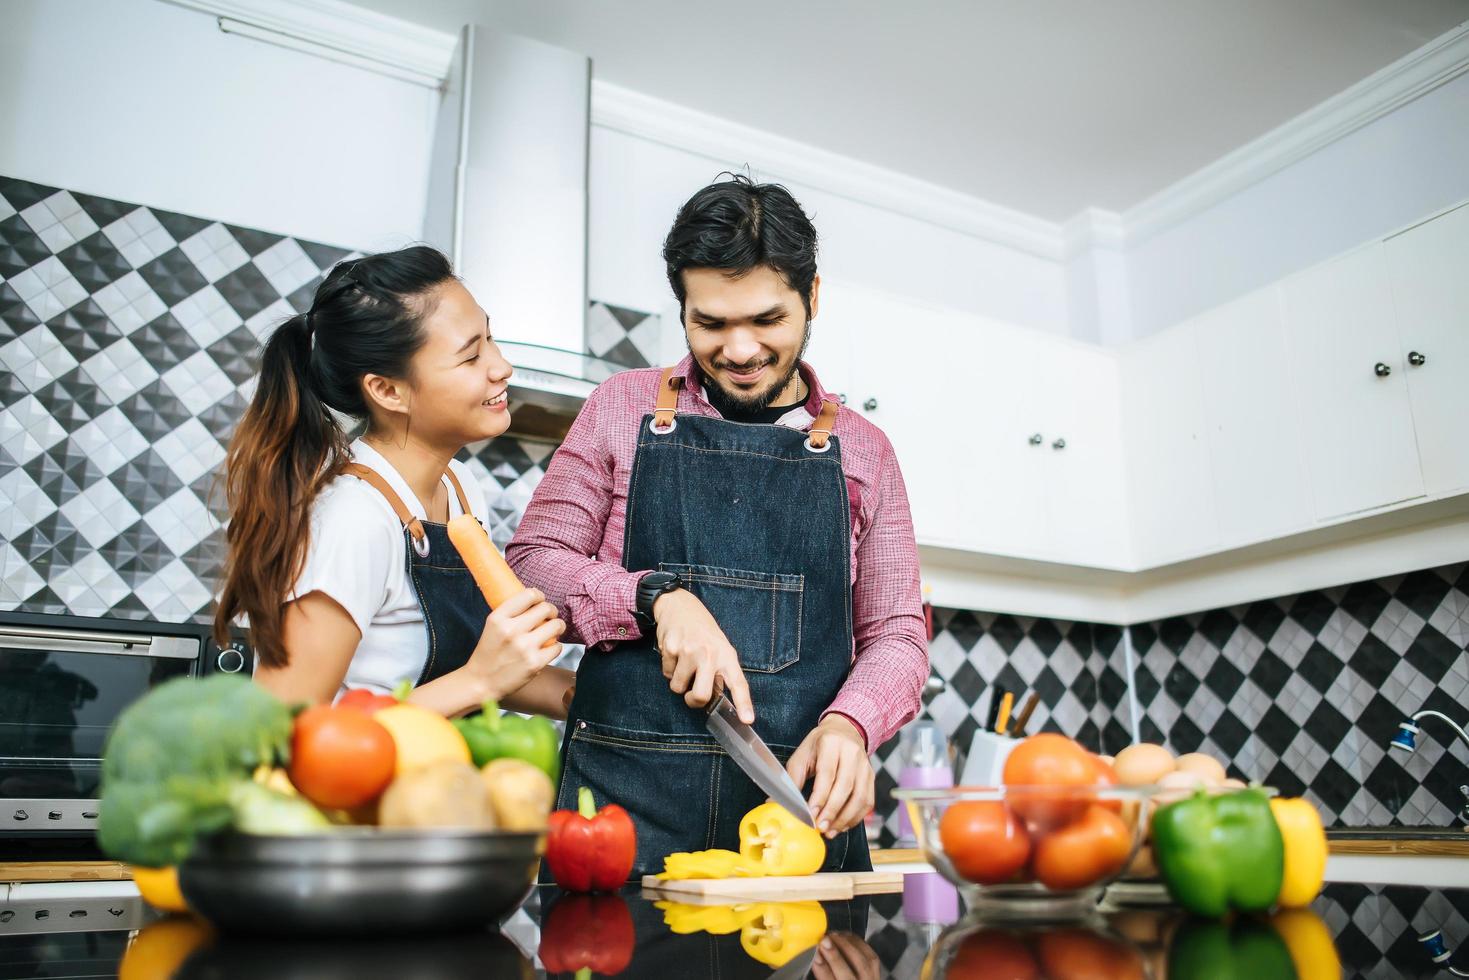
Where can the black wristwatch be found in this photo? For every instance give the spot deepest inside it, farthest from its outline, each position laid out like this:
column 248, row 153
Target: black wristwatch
column 652, row 585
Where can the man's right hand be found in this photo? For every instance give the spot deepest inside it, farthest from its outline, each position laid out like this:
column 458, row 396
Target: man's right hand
column 697, row 657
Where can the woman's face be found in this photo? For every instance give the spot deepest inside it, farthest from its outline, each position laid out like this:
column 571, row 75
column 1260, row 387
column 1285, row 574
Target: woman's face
column 457, row 378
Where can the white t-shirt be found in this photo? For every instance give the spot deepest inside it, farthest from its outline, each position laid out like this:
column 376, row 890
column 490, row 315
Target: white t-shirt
column 357, row 556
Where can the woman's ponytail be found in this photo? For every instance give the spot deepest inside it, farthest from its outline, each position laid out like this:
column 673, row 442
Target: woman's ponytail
column 286, row 448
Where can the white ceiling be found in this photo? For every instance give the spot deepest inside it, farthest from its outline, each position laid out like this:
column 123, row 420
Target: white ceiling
column 1044, row 106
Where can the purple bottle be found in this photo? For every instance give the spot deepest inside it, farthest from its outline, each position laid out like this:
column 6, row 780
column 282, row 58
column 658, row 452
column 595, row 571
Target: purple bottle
column 925, row 758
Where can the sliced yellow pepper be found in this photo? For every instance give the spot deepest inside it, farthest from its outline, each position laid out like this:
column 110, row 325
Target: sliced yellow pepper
column 779, row 932
column 717, row 920
column 773, row 839
column 682, row 865
column 1305, row 851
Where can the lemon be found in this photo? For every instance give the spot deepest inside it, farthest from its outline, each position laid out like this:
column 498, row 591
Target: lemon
column 422, row 737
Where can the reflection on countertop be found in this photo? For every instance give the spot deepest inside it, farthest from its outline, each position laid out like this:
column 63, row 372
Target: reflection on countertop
column 1371, row 930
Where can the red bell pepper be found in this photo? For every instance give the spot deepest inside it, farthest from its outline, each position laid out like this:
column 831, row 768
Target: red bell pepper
column 365, row 700
column 590, row 850
column 588, row 933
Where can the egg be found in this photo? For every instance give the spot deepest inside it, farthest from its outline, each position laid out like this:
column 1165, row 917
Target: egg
column 1142, row 764
column 1175, row 786
column 1208, row 768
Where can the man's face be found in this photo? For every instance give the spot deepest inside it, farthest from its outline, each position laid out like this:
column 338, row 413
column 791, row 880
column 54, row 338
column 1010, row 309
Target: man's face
column 746, row 334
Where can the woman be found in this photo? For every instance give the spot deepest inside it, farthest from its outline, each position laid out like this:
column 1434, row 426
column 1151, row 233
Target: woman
column 338, row 552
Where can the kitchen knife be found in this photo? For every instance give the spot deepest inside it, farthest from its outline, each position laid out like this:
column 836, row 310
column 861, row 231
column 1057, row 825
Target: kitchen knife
column 754, row 757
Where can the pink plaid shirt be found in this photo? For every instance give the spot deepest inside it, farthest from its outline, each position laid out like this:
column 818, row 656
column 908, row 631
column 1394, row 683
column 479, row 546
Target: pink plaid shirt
column 569, row 542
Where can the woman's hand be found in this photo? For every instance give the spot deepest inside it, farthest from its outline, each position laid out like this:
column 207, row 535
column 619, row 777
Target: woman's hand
column 518, row 642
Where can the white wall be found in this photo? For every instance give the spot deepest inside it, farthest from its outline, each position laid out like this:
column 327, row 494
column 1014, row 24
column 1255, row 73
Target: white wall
column 637, row 186
column 150, row 103
column 1390, row 173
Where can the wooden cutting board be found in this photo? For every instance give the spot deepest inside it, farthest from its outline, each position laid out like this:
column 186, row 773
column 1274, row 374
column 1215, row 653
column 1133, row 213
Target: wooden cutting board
column 828, row 886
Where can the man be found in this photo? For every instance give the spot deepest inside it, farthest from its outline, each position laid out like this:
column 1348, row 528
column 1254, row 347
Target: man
column 725, row 525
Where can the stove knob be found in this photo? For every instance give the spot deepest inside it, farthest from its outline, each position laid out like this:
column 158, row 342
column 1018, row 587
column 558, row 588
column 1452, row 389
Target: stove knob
column 6, row 916
column 20, row 815
column 231, row 659
column 54, row 815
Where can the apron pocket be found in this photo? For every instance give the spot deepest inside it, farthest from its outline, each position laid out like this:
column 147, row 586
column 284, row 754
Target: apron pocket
column 665, row 782
column 760, row 612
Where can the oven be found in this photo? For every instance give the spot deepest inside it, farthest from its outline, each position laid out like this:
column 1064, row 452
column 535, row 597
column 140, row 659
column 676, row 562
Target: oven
column 63, row 682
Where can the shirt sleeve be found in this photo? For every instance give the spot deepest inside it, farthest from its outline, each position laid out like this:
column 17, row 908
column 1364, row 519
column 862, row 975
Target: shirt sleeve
column 350, row 555
column 555, row 546
column 885, row 687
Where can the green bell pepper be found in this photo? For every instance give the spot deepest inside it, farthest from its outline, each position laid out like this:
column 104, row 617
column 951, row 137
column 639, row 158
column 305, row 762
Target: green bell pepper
column 1244, row 950
column 494, row 734
column 1217, row 853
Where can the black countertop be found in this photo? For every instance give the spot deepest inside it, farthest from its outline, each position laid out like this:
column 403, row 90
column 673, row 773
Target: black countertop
column 1374, row 930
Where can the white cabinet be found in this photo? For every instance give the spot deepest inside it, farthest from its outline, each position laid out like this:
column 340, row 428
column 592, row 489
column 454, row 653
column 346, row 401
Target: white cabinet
column 1252, row 428
column 960, row 396
column 1170, row 492
column 1076, row 398
column 1429, row 267
column 1356, row 423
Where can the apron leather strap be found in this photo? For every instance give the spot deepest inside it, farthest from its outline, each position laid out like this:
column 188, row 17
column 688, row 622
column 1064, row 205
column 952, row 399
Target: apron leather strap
column 820, row 430
column 667, row 404
column 408, row 519
column 458, row 491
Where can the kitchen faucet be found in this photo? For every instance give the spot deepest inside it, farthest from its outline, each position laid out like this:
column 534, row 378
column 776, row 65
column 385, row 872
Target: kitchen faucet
column 1406, row 741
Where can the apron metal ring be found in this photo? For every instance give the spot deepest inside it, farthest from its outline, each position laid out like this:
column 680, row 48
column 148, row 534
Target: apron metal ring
column 420, row 546
column 812, row 447
column 653, row 426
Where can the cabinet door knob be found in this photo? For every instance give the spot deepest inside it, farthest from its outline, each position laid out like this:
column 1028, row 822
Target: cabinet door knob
column 1381, row 370
column 1416, row 359
column 1037, row 439
column 870, row 405
column 1059, row 444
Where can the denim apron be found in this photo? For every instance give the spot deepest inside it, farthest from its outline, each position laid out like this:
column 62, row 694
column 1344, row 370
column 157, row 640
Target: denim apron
column 454, row 609
column 754, row 519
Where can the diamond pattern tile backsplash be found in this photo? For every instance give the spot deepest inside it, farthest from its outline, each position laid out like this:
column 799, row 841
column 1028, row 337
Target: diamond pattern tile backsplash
column 128, row 338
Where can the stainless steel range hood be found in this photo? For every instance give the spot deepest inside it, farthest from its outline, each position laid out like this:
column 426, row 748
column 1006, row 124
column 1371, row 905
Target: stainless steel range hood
column 508, row 202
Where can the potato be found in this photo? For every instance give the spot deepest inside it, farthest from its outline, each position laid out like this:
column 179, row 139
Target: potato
column 520, row 794
column 447, row 793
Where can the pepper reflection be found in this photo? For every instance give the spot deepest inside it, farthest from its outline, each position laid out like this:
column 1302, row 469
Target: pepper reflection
column 1158, row 944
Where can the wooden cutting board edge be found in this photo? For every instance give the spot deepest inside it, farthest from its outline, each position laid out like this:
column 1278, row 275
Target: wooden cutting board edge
column 824, row 886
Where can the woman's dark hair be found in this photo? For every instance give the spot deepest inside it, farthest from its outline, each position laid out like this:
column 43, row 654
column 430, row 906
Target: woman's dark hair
column 737, row 225
column 366, row 318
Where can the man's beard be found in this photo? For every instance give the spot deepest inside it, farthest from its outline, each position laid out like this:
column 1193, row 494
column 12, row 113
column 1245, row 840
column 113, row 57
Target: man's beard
column 728, row 402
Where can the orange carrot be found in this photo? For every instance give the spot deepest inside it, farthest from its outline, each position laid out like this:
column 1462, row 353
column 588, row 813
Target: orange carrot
column 490, row 570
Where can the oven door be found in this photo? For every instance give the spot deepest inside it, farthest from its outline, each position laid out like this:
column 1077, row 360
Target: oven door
column 61, row 689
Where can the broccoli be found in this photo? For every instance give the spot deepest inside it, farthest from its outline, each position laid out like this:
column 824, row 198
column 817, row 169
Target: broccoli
column 174, row 766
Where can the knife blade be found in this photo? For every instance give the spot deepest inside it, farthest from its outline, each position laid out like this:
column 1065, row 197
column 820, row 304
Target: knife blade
column 755, row 759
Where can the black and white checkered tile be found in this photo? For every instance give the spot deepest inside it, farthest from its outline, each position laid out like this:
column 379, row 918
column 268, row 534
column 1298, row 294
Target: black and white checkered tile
column 1068, row 664
column 1304, row 693
column 623, row 337
column 127, row 338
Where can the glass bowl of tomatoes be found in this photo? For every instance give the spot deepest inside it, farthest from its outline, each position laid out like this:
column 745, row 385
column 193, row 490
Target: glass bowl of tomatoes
column 1030, row 850
column 975, row 948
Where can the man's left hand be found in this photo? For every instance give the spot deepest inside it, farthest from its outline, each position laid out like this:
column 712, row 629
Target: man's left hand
column 835, row 756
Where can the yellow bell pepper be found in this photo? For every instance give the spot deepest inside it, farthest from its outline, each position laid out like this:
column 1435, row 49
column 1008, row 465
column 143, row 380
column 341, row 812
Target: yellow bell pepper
column 773, row 839
column 778, row 932
column 1307, row 938
column 1305, row 851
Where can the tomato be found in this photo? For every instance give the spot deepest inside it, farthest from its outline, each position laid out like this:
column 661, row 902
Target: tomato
column 365, row 700
column 340, row 757
column 985, row 841
column 1080, row 954
column 1049, row 759
column 1083, row 852
column 1104, row 775
column 991, row 954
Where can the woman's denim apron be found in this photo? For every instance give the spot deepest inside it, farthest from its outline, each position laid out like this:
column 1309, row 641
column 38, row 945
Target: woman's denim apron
column 454, row 609
column 754, row 519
